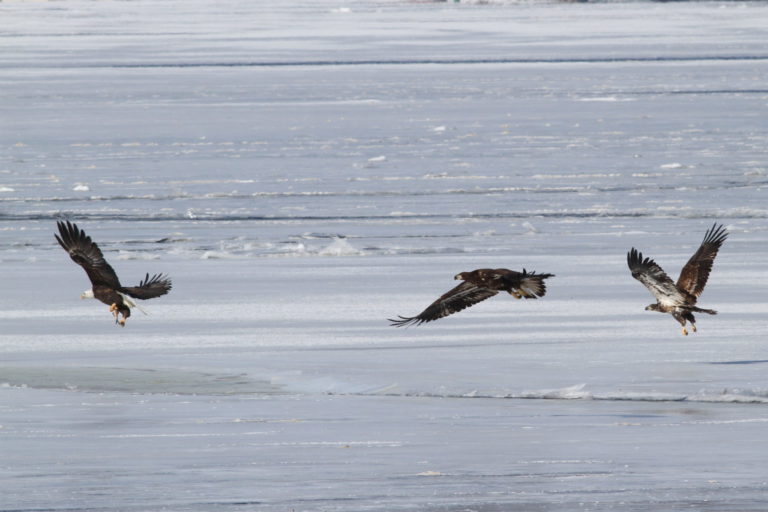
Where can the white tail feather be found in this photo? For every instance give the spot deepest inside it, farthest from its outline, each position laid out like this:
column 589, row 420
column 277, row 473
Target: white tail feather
column 129, row 302
column 532, row 287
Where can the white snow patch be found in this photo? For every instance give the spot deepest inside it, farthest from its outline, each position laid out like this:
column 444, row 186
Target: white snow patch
column 569, row 393
column 81, row 187
column 673, row 165
column 339, row 247
column 295, row 248
column 217, row 255
column 605, row 98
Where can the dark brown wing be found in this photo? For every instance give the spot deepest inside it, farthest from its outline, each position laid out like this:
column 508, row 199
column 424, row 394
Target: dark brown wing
column 87, row 254
column 695, row 273
column 655, row 279
column 149, row 287
column 462, row 296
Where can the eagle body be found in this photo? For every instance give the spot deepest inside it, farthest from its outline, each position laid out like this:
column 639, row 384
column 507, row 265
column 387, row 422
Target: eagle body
column 477, row 286
column 105, row 285
column 111, row 298
column 518, row 284
column 679, row 299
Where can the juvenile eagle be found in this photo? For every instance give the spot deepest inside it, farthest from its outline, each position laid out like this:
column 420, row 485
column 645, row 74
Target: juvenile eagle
column 479, row 285
column 105, row 286
column 679, row 299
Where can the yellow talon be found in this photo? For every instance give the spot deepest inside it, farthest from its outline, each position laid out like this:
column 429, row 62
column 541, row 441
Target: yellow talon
column 693, row 327
column 685, row 333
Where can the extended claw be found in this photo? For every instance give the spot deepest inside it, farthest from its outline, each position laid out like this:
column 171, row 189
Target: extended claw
column 693, row 326
column 685, row 332
column 516, row 294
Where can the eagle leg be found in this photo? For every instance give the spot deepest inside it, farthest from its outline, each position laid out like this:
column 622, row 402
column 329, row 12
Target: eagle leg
column 114, row 310
column 693, row 326
column 515, row 294
column 685, row 332
column 121, row 322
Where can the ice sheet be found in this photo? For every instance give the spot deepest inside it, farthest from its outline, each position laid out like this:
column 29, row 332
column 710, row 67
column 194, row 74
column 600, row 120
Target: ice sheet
column 304, row 173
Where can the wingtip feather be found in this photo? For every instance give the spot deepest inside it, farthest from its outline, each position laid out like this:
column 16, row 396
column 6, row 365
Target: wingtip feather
column 716, row 235
column 405, row 321
column 634, row 258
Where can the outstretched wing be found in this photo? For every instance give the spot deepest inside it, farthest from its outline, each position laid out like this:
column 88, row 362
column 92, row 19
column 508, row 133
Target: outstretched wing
column 655, row 279
column 87, row 254
column 695, row 273
column 149, row 287
column 462, row 296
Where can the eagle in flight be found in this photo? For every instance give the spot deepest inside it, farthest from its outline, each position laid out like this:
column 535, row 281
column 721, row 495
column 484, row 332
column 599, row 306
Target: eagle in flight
column 679, row 299
column 477, row 286
column 105, row 286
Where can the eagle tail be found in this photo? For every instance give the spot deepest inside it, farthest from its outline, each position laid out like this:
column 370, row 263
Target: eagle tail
column 131, row 304
column 532, row 285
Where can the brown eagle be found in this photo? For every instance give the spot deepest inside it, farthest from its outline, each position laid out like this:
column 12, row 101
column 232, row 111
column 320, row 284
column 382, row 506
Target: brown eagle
column 479, row 285
column 105, row 285
column 679, row 299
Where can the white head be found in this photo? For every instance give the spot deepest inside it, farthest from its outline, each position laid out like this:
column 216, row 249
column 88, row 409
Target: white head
column 87, row 294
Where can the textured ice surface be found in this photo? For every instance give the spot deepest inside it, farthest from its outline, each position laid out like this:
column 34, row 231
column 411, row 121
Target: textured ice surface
column 306, row 170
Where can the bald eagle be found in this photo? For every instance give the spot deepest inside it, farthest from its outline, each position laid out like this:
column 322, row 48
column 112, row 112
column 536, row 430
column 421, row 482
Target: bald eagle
column 679, row 299
column 479, row 285
column 105, row 286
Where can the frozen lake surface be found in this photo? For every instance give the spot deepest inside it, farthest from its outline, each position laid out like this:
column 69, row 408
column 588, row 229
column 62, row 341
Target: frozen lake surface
column 305, row 171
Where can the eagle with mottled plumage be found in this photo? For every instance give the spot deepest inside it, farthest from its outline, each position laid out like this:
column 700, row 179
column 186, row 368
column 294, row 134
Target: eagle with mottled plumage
column 479, row 285
column 105, row 285
column 679, row 299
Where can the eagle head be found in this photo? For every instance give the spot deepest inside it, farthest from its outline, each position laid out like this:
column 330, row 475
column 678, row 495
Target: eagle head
column 460, row 277
column 652, row 307
column 87, row 294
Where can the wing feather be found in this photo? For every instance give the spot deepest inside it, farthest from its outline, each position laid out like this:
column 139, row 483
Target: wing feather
column 695, row 273
column 461, row 297
column 149, row 287
column 87, row 254
column 654, row 278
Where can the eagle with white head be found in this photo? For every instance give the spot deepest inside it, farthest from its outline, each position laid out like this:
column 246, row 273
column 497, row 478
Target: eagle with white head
column 105, row 285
